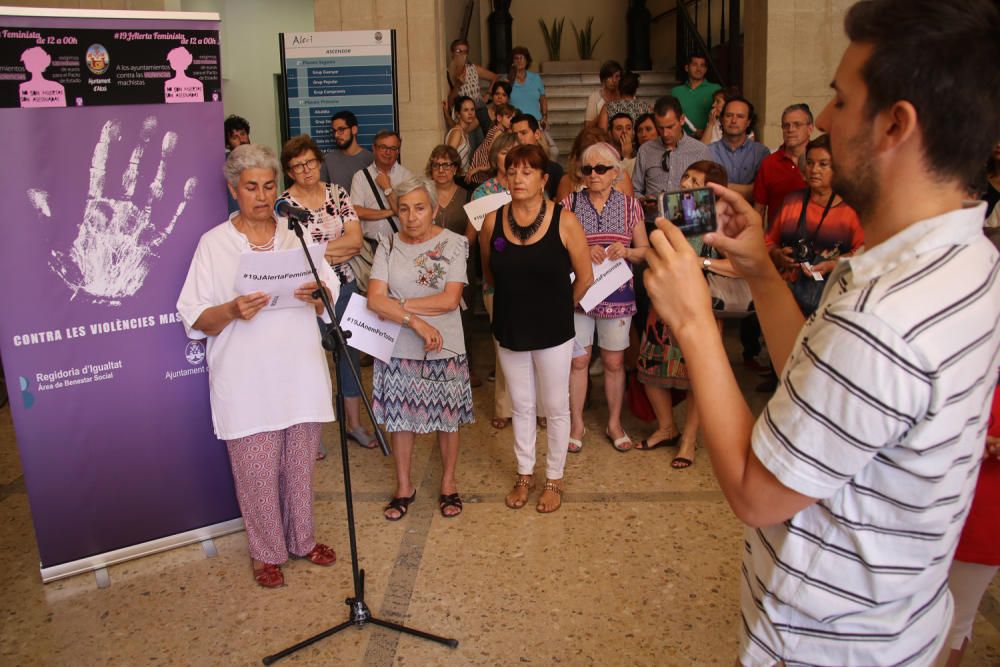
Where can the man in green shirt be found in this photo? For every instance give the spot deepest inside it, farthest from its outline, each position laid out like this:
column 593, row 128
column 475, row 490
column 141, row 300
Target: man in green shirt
column 695, row 95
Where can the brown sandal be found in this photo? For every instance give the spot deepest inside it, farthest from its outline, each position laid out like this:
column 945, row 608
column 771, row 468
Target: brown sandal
column 269, row 576
column 522, row 481
column 555, row 488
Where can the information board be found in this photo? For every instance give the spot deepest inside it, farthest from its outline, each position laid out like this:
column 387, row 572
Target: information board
column 326, row 72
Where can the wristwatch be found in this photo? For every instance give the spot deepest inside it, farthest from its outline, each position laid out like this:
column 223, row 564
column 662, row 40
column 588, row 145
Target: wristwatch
column 406, row 320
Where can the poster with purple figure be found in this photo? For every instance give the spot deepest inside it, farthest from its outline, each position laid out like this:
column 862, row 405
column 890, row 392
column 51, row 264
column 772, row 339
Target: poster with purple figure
column 104, row 208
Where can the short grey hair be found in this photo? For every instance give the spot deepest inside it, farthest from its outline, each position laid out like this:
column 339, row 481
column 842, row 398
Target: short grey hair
column 404, row 188
column 249, row 156
column 607, row 154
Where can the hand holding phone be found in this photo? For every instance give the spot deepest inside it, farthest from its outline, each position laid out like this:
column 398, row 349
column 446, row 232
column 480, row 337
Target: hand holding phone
column 691, row 211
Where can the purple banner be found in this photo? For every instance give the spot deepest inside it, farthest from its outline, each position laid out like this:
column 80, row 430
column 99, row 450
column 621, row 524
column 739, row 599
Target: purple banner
column 104, row 208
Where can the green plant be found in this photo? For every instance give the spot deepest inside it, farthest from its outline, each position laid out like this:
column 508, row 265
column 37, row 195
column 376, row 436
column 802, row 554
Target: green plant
column 585, row 42
column 553, row 37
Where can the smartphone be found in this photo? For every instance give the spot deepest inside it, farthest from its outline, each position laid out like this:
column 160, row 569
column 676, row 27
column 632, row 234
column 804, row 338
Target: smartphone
column 692, row 211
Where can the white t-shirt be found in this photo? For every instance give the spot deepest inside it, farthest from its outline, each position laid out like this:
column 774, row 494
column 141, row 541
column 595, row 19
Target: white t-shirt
column 266, row 373
column 362, row 195
column 595, row 103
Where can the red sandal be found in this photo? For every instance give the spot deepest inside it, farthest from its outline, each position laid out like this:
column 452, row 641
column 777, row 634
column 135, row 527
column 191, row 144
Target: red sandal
column 269, row 576
column 321, row 555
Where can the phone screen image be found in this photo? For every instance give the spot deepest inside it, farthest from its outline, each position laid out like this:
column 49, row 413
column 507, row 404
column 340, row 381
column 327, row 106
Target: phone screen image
column 692, row 211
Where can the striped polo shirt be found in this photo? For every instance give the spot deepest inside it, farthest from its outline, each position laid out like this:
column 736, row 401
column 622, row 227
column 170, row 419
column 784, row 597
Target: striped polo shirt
column 881, row 415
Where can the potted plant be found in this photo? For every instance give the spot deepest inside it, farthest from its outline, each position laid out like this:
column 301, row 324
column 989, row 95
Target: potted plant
column 585, row 41
column 553, row 36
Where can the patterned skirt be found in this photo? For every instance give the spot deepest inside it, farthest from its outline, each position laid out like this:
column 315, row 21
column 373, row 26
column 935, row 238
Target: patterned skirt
column 661, row 362
column 422, row 396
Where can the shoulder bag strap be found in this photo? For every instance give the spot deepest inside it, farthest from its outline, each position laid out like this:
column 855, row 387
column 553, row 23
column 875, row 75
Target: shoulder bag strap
column 378, row 197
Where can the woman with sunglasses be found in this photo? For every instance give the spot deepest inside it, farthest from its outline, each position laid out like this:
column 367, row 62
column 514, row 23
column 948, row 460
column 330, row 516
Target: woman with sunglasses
column 333, row 220
column 529, row 248
column 417, row 280
column 613, row 223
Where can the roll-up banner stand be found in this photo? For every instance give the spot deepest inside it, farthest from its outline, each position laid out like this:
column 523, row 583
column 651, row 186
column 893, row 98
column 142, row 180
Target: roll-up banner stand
column 112, row 127
column 327, row 72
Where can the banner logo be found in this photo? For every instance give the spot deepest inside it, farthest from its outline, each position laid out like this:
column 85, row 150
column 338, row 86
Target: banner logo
column 98, row 59
column 194, row 352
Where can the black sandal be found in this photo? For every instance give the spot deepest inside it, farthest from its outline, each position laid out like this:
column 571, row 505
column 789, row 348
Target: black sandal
column 401, row 505
column 450, row 500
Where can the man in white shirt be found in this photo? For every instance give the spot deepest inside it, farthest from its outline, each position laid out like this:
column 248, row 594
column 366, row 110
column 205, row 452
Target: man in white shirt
column 856, row 479
column 372, row 195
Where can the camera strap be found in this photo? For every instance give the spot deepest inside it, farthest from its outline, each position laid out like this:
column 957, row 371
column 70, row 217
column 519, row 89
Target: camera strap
column 802, row 216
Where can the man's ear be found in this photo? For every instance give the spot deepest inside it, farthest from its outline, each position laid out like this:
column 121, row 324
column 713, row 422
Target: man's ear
column 895, row 126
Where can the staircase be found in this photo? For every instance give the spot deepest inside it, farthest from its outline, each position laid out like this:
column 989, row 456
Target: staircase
column 567, row 97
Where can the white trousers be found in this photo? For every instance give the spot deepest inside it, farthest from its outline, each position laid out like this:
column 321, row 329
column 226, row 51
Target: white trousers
column 551, row 368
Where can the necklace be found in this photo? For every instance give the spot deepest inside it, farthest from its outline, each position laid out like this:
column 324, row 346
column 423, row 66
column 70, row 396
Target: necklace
column 525, row 233
column 263, row 247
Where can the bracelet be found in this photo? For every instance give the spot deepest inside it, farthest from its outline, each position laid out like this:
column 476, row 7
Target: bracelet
column 402, row 302
column 406, row 320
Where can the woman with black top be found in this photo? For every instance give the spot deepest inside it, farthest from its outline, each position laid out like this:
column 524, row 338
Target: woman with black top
column 529, row 249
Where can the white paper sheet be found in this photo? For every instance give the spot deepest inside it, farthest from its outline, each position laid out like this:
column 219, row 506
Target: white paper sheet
column 608, row 276
column 369, row 333
column 277, row 274
column 478, row 209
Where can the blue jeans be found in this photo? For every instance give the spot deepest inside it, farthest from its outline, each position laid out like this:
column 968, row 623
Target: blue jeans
column 348, row 385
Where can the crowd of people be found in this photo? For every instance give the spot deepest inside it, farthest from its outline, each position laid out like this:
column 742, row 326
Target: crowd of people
column 790, row 236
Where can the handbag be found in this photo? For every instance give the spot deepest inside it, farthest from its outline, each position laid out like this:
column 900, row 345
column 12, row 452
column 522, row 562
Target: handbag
column 731, row 298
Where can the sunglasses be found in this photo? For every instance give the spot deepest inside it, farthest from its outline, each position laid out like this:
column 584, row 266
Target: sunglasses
column 601, row 169
column 424, row 372
column 665, row 161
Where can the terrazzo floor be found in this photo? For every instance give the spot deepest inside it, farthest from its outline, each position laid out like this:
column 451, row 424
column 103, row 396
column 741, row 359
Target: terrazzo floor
column 639, row 567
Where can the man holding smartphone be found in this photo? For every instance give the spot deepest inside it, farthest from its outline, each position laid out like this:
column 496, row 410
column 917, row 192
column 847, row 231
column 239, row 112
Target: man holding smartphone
column 659, row 165
column 856, row 479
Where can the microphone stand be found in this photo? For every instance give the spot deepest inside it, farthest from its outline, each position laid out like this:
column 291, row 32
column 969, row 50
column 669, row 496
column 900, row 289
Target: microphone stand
column 335, row 341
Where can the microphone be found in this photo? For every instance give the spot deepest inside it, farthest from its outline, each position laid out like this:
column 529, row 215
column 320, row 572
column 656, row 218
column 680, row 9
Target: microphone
column 285, row 210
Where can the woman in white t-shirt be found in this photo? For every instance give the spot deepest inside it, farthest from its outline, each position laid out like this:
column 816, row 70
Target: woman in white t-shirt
column 269, row 383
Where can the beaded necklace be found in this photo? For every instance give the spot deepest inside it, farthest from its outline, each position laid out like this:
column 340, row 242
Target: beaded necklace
column 525, row 233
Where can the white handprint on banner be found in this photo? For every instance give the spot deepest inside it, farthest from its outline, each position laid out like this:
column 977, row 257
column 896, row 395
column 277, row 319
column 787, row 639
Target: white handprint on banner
column 111, row 255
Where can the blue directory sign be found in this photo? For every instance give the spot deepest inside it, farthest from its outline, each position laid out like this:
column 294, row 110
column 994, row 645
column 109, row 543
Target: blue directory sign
column 326, row 72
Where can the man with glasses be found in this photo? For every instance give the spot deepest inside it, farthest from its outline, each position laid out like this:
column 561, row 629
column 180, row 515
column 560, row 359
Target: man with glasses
column 371, row 187
column 339, row 166
column 659, row 165
column 779, row 173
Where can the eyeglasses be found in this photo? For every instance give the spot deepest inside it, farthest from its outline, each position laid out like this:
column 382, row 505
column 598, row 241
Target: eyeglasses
column 387, row 149
column 443, row 166
column 793, row 125
column 341, row 130
column 461, row 51
column 448, row 377
column 300, row 167
column 601, row 169
column 665, row 161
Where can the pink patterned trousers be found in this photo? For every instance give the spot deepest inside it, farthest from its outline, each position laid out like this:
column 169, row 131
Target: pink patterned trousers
column 273, row 475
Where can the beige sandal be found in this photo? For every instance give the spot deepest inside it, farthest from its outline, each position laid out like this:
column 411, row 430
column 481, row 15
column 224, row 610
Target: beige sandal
column 523, row 481
column 555, row 488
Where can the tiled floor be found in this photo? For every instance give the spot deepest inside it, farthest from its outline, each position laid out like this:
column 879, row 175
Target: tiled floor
column 639, row 567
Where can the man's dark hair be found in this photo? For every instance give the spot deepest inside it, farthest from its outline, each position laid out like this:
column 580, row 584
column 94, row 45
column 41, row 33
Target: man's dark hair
column 696, row 54
column 666, row 104
column 941, row 57
column 525, row 118
column 611, row 122
column 609, row 69
column 629, row 84
column 234, row 123
column 751, row 114
column 347, row 117
column 802, row 106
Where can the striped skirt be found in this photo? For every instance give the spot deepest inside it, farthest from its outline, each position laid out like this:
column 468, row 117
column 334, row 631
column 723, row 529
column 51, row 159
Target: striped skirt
column 422, row 396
